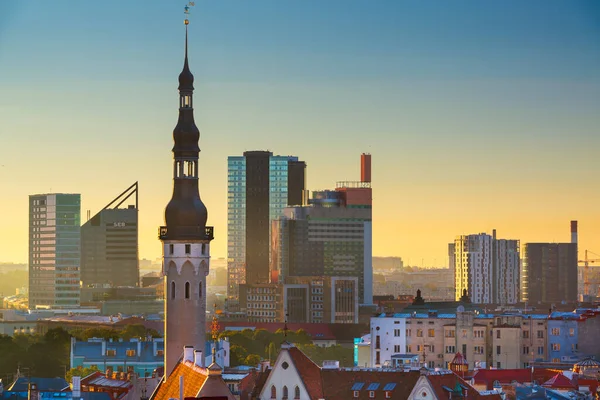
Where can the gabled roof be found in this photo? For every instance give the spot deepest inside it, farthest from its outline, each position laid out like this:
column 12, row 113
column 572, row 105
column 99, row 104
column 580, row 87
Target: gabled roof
column 99, row 379
column 194, row 380
column 43, row 384
column 340, row 384
column 168, row 388
column 559, row 381
column 441, row 383
column 309, row 372
column 507, row 376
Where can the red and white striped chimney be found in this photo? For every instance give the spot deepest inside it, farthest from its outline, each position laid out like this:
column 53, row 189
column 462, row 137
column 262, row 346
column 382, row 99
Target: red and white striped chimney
column 573, row 231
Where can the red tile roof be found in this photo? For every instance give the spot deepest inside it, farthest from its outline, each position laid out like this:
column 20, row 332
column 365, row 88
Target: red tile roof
column 315, row 331
column 450, row 380
column 192, row 382
column 559, row 381
column 337, row 384
column 310, row 373
column 487, row 377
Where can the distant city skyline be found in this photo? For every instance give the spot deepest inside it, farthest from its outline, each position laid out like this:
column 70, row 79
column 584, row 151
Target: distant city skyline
column 479, row 116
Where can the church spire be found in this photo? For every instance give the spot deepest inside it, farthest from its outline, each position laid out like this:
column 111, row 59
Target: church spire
column 186, row 215
column 185, row 236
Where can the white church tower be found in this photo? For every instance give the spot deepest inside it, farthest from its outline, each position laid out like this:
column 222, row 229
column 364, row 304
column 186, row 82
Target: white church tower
column 186, row 238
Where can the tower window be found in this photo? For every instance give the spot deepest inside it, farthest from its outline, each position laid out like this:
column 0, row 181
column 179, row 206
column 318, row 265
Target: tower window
column 188, row 248
column 171, row 249
column 186, row 101
column 200, row 290
column 203, row 249
column 172, row 290
column 187, row 290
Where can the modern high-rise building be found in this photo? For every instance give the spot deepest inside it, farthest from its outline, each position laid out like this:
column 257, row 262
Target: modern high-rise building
column 549, row 273
column 109, row 244
column 488, row 268
column 332, row 236
column 260, row 186
column 54, row 250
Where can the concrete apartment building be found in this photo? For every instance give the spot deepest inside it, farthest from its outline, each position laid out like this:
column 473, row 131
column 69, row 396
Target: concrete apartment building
column 54, row 250
column 487, row 340
column 487, row 267
column 320, row 299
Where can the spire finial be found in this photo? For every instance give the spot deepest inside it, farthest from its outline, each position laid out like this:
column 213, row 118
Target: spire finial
column 285, row 327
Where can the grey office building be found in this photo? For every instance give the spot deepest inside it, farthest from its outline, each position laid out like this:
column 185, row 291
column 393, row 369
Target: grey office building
column 54, row 250
column 109, row 244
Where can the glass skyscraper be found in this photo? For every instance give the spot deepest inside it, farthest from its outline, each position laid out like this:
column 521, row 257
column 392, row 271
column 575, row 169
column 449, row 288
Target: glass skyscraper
column 260, row 185
column 54, row 250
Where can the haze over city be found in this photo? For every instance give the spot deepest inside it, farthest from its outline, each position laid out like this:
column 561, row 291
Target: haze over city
column 478, row 120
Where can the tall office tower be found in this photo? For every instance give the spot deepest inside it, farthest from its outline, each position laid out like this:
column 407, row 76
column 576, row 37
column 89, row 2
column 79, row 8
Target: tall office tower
column 488, row 268
column 549, row 273
column 54, row 250
column 185, row 238
column 260, row 186
column 109, row 244
column 332, row 236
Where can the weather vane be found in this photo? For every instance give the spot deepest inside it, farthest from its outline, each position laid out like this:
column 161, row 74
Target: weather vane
column 186, row 11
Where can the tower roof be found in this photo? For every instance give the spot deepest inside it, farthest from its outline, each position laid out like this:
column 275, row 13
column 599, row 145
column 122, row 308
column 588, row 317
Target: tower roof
column 186, row 214
column 186, row 78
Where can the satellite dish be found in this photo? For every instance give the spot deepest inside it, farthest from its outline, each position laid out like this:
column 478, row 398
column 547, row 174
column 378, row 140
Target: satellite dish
column 460, row 309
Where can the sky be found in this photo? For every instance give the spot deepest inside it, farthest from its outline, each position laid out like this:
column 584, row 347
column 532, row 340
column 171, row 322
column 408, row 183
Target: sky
column 479, row 115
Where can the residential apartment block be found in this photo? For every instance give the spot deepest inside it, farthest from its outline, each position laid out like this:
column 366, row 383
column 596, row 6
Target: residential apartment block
column 487, row 267
column 503, row 340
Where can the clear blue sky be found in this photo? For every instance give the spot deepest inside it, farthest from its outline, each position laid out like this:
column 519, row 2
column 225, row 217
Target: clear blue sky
column 479, row 114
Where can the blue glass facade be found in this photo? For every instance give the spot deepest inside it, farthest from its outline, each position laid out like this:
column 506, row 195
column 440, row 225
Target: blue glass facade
column 236, row 224
column 277, row 178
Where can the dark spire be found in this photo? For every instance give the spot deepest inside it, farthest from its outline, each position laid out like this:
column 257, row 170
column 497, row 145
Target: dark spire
column 186, row 215
column 186, row 78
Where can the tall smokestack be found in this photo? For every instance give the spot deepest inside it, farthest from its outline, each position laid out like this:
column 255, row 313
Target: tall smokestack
column 573, row 231
column 365, row 167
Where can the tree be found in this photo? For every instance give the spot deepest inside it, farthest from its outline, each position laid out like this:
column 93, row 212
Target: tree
column 252, row 360
column 237, row 355
column 79, row 371
column 137, row 331
column 271, row 352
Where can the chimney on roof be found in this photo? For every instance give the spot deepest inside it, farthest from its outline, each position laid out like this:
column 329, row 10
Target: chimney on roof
column 188, row 354
column 574, row 232
column 198, row 358
column 264, row 365
column 365, row 167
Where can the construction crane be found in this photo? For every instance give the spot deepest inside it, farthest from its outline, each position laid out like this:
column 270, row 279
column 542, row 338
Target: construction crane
column 586, row 271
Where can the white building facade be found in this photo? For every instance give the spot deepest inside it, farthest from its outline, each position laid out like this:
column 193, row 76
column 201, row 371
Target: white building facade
column 488, row 268
column 388, row 337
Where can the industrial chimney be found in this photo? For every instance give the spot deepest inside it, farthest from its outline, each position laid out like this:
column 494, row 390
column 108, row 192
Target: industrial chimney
column 365, row 167
column 573, row 231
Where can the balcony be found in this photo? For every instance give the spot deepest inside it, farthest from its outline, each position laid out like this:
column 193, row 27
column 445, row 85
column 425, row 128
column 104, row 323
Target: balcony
column 187, row 233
